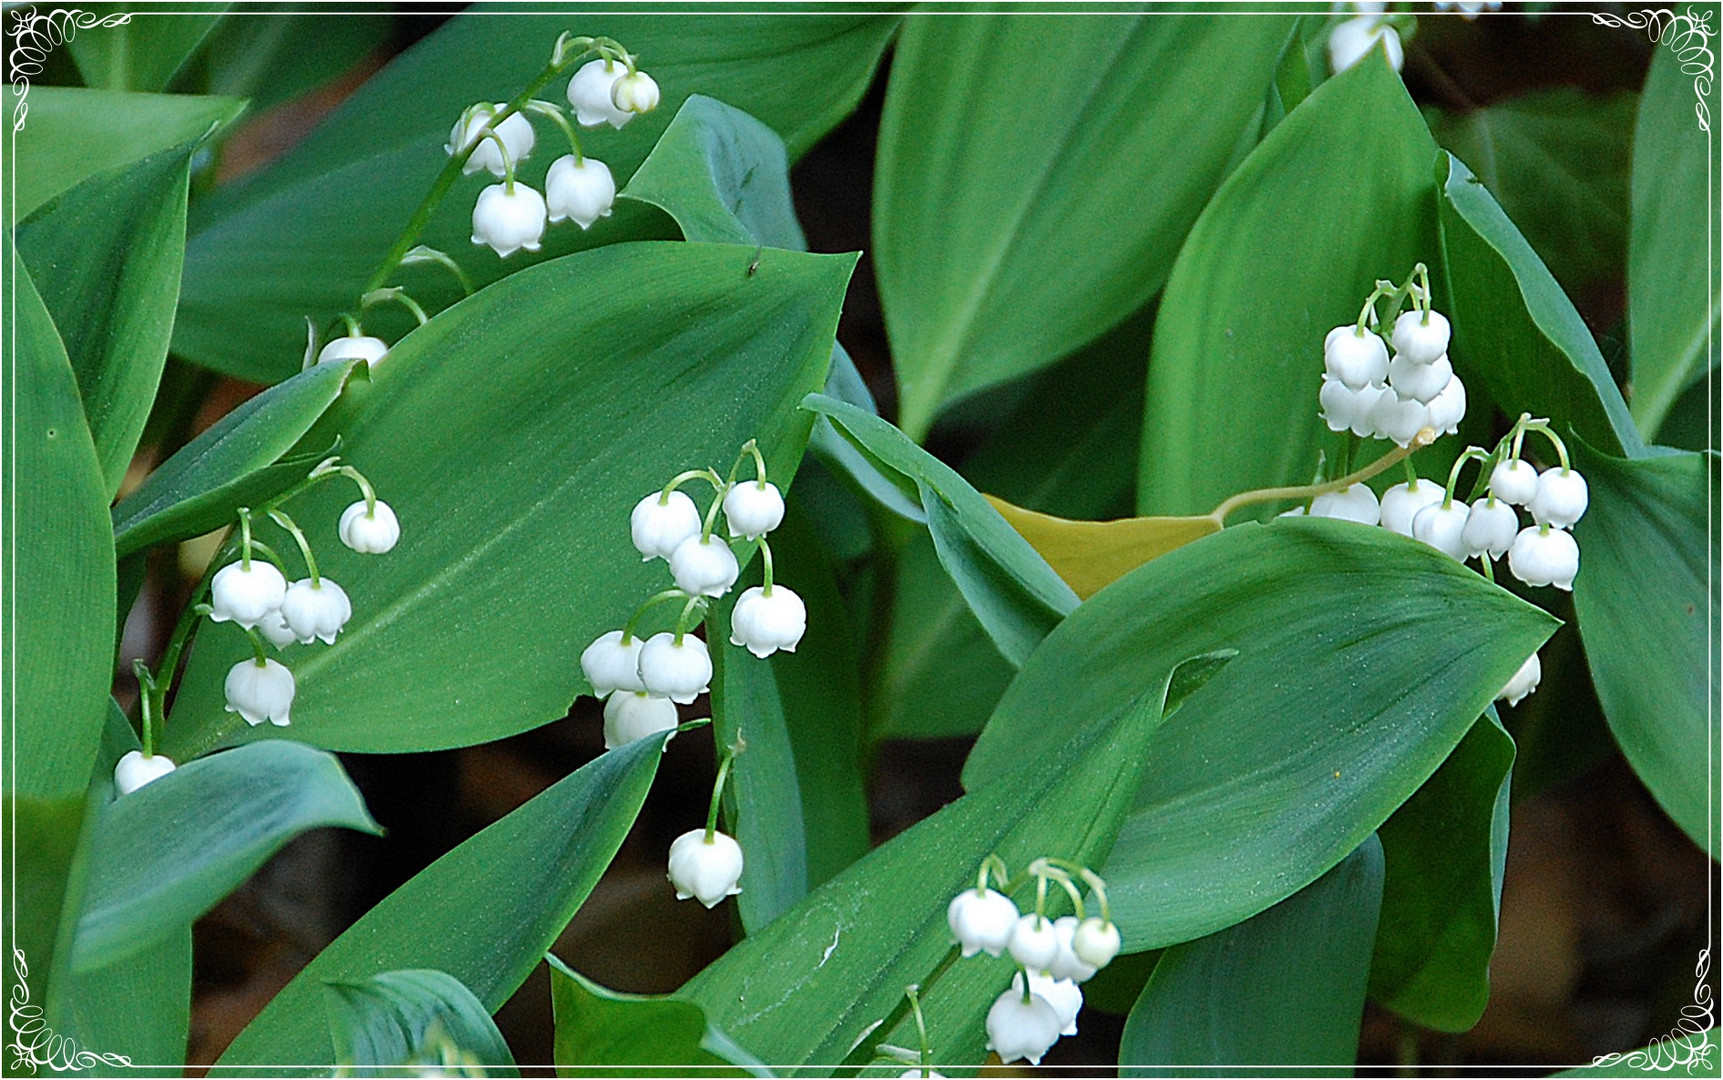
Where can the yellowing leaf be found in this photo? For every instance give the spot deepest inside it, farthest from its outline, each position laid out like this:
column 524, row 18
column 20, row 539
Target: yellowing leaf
column 1090, row 555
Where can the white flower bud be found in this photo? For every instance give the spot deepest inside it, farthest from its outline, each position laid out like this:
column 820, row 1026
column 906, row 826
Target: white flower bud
column 1063, row 994
column 353, row 347
column 1355, row 356
column 1541, row 555
column 706, row 870
column 589, row 93
column 1340, row 405
column 1096, row 942
column 660, row 522
column 369, row 532
column 275, row 630
column 244, row 596
column 508, row 221
column 1449, row 407
column 1364, row 410
column 1421, row 337
column 1353, row 39
column 1561, row 497
column 981, row 921
column 260, row 692
column 921, row 1074
column 315, row 611
column 1067, row 965
column 635, row 93
column 763, row 623
column 1491, row 528
column 135, row 770
column 1442, row 525
column 1411, row 379
column 1513, row 481
column 1398, row 419
column 1022, row 1029
column 753, row 509
column 1525, row 680
column 610, row 665
column 1034, row 942
column 1355, row 502
column 680, row 672
column 516, row 133
column 582, row 191
column 704, row 566
column 631, row 715
column 1401, row 503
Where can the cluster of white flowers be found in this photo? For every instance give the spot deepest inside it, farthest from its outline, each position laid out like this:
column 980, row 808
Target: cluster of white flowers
column 1468, row 9
column 1351, row 41
column 1371, row 395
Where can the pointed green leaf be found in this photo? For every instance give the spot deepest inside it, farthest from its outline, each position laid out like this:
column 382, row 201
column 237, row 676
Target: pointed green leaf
column 147, row 50
column 398, row 1018
column 278, row 51
column 600, row 1032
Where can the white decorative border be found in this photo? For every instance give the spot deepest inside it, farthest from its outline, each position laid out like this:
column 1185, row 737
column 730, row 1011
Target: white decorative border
column 36, row 35
column 1689, row 1046
column 1664, row 27
column 35, row 1045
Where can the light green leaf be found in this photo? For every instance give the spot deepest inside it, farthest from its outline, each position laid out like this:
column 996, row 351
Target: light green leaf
column 322, row 216
column 1646, row 605
column 484, row 913
column 1037, row 174
column 1337, row 196
column 398, row 1018
column 512, row 435
column 1283, row 988
column 146, row 51
column 1364, row 657
column 1686, row 1048
column 600, row 1032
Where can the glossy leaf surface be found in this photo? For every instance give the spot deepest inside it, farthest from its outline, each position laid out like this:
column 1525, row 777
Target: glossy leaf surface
column 600, row 1032
column 398, row 1018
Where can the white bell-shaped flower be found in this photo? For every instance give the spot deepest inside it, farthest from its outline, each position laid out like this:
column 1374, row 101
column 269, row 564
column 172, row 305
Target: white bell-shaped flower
column 1514, row 481
column 246, row 596
column 589, row 93
column 1401, row 503
column 1442, row 525
column 1364, row 404
column 1411, row 379
column 630, row 715
column 353, row 347
column 707, row 870
column 508, row 221
column 1398, row 419
column 1034, row 942
column 680, row 672
column 753, row 509
column 920, row 1073
column 763, row 622
column 1353, row 39
column 1355, row 356
column 981, row 921
column 275, row 630
column 1355, row 502
column 260, row 692
column 660, row 522
column 1096, row 942
column 704, row 566
column 368, row 531
column 317, row 610
column 1541, row 555
column 1063, row 994
column 1339, row 403
column 610, row 664
column 1491, row 528
column 581, row 191
column 1022, row 1028
column 636, row 92
column 135, row 770
column 1421, row 336
column 1448, row 408
column 516, row 133
column 1525, row 680
column 1067, row 965
column 1561, row 497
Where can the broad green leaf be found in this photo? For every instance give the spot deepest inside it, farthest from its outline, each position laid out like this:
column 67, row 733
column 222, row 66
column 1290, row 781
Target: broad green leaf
column 1283, row 988
column 1036, row 175
column 1557, row 162
column 484, row 913
column 724, row 177
column 420, row 1018
column 1646, row 605
column 1012, row 591
column 809, row 987
column 145, row 52
column 1673, row 303
column 600, row 1032
column 1090, row 555
column 1517, row 336
column 168, row 852
column 1337, row 196
column 106, row 257
column 241, row 460
column 273, row 52
column 1690, row 424
column 70, row 135
column 322, row 216
column 1693, row 1051
column 1364, row 657
column 512, row 435
column 1446, row 849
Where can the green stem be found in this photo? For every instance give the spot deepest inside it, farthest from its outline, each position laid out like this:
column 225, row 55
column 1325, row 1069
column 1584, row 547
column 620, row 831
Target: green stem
column 766, row 560
column 712, row 514
column 682, row 623
column 551, row 111
column 1543, row 428
column 910, row 992
column 280, row 518
column 396, row 294
column 1473, row 453
column 424, row 254
column 1310, row 491
column 681, row 478
column 146, row 706
column 718, row 788
column 853, row 1062
column 257, row 652
column 650, row 602
column 245, row 539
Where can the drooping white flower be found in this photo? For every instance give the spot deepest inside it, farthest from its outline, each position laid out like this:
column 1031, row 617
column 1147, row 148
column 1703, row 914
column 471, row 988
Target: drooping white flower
column 1340, row 403
column 1398, row 419
column 260, row 692
column 1513, row 481
column 763, row 623
column 636, row 92
column 275, row 630
column 630, row 715
column 981, row 921
column 659, row 522
column 1355, row 356
column 1541, row 555
column 135, row 770
column 704, row 566
column 706, row 870
column 1449, row 407
column 1525, row 680
column 1491, row 528
column 753, row 509
column 1411, row 379
column 368, row 532
column 317, row 610
column 680, row 672
column 1064, row 995
column 1067, row 965
column 1356, row 502
column 589, row 93
column 1096, row 942
column 246, row 596
column 1019, row 1028
column 1561, row 497
column 516, row 133
column 1401, row 503
column 1364, row 404
column 581, row 191
column 1421, row 336
column 353, row 347
column 1034, row 942
column 609, row 664
column 1442, row 525
column 921, row 1074
column 1352, row 40
column 508, row 221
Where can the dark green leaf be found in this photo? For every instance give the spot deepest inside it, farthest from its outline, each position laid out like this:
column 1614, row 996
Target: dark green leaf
column 1686, row 1048
column 1283, row 988
column 139, row 1007
column 1364, row 657
column 273, row 52
column 600, row 1032
column 146, row 51
column 424, row 1018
